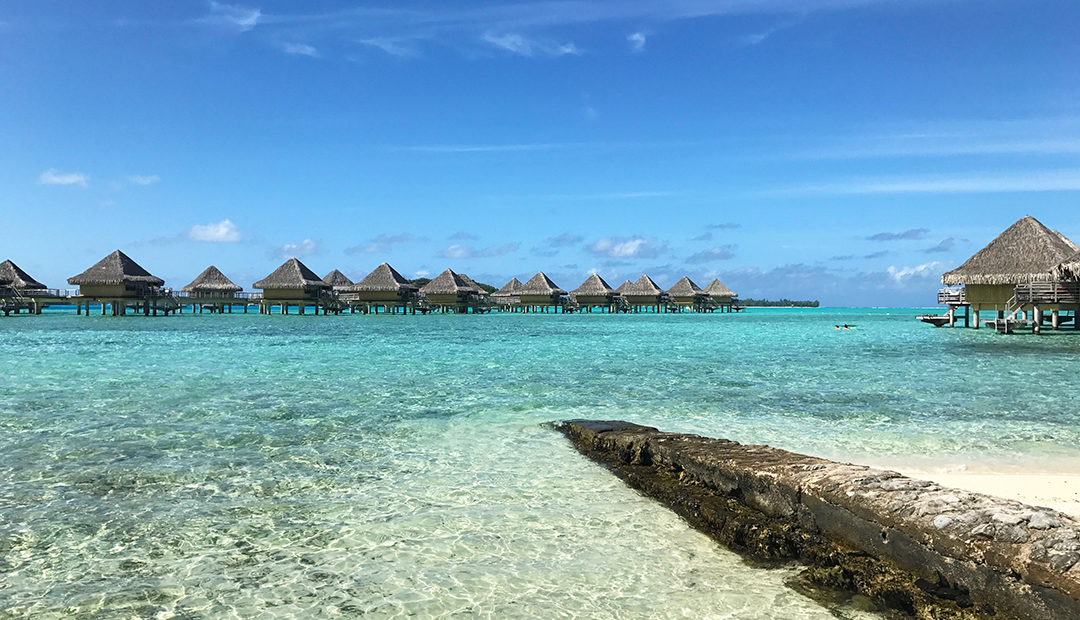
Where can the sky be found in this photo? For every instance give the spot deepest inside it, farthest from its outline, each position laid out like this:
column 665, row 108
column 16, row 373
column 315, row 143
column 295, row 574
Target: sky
column 848, row 151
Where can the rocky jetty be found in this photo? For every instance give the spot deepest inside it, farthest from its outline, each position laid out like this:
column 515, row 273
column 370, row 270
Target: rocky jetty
column 915, row 547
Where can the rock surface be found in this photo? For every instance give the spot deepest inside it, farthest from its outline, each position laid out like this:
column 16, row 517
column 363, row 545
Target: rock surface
column 913, row 546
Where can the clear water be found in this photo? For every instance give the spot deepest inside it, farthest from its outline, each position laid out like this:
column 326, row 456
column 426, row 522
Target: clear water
column 205, row 466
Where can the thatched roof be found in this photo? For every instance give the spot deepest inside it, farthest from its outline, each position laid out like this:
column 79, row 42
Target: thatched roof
column 716, row 288
column 594, row 286
column 1076, row 248
column 644, row 287
column 337, row 280
column 114, row 269
column 212, row 280
column 685, row 288
column 383, row 279
column 446, row 283
column 540, row 284
column 625, row 286
column 1026, row 252
column 473, row 286
column 291, row 275
column 509, row 289
column 13, row 277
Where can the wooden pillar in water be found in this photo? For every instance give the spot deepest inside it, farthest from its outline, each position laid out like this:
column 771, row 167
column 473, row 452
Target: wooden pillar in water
column 975, row 319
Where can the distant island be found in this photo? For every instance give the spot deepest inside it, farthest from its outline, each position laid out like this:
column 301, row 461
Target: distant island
column 782, row 303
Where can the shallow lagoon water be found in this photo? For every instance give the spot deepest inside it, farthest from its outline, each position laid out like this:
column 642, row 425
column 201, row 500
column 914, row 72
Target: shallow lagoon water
column 238, row 466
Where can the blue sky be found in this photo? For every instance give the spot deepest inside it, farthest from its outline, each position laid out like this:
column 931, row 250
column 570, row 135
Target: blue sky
column 843, row 150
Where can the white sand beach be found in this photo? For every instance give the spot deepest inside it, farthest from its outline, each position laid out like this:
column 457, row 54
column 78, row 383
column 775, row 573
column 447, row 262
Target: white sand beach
column 1060, row 491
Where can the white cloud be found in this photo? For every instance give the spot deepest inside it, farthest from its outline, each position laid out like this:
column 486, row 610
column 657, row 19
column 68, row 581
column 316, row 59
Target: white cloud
column 307, row 247
column 221, row 232
column 519, row 44
column 55, row 177
column 422, row 273
column 144, row 180
column 233, row 16
column 899, row 274
column 391, row 45
column 637, row 41
column 633, row 247
column 301, row 49
column 463, row 251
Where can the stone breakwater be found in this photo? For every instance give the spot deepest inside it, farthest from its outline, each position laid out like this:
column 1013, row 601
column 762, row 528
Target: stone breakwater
column 912, row 546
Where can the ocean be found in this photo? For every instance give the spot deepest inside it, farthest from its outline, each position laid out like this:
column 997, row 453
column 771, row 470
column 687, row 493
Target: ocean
column 242, row 466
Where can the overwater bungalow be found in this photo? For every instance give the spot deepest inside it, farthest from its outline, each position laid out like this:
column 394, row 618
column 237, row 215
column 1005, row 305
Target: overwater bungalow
column 721, row 295
column 338, row 281
column 595, row 292
column 685, row 294
column 293, row 284
column 384, row 288
column 19, row 291
column 507, row 297
column 120, row 283
column 473, row 286
column 452, row 292
column 644, row 294
column 212, row 290
column 1022, row 258
column 539, row 294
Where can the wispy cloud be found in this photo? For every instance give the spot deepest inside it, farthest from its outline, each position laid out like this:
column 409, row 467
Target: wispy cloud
column 55, row 177
column 637, row 41
column 912, row 234
column 726, row 252
column 300, row 49
column 382, row 244
column 143, row 180
column 627, row 248
column 462, row 251
column 221, row 232
column 232, row 16
column 520, row 44
column 462, row 236
column 705, row 236
column 1038, row 181
column 727, row 226
column 870, row 256
column 944, row 246
column 307, row 247
column 395, row 46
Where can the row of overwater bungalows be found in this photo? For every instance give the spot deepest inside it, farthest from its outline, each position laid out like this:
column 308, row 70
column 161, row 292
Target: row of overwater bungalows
column 118, row 284
column 1026, row 276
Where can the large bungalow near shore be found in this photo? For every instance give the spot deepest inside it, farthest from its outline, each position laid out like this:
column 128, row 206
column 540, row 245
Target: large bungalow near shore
column 1016, row 273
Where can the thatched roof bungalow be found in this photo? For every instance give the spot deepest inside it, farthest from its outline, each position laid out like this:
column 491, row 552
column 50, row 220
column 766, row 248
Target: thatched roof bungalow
column 686, row 293
column 625, row 286
column 1025, row 252
column 540, row 291
column 448, row 289
column 337, row 280
column 473, row 286
column 594, row 291
column 12, row 277
column 384, row 284
column 719, row 292
column 508, row 293
column 212, row 283
column 116, row 276
column 292, row 281
column 644, row 292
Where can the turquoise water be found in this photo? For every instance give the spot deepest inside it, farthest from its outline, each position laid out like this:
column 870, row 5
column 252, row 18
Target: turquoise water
column 241, row 466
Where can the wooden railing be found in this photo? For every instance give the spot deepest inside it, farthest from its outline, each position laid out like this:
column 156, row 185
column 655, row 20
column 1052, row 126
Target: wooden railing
column 953, row 296
column 1048, row 293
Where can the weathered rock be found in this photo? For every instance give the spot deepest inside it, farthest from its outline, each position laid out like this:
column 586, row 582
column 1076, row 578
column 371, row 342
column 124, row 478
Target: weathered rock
column 911, row 545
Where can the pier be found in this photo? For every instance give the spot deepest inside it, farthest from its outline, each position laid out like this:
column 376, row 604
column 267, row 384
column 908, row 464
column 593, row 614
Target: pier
column 909, row 545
